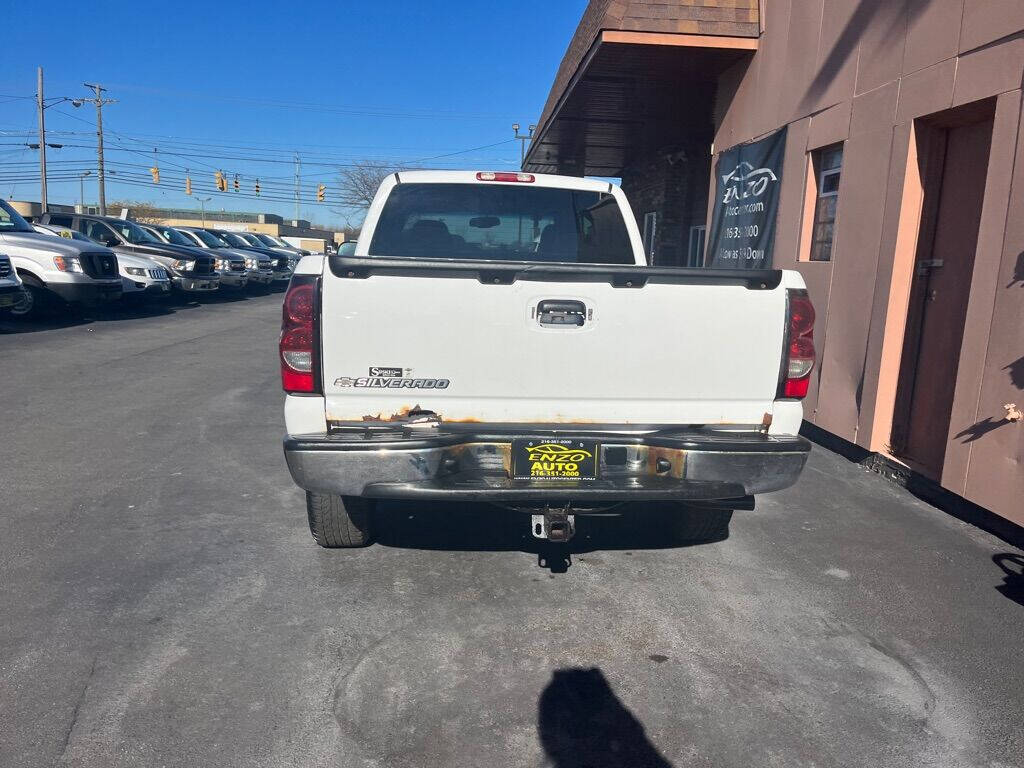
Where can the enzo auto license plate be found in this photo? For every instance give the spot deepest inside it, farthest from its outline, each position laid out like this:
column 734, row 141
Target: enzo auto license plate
column 554, row 459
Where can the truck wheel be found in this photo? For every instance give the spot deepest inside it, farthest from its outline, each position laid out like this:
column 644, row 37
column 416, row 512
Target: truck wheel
column 36, row 300
column 339, row 521
column 693, row 523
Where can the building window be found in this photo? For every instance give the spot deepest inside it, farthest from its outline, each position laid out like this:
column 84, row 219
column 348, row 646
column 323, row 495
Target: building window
column 828, row 164
column 695, row 249
column 650, row 231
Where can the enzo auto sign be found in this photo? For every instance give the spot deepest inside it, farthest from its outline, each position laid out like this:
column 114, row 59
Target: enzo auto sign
column 748, row 182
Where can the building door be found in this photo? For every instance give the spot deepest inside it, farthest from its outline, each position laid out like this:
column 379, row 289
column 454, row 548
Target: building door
column 954, row 157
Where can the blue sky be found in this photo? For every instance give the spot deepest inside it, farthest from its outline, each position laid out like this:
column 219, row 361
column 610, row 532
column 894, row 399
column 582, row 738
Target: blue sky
column 240, row 87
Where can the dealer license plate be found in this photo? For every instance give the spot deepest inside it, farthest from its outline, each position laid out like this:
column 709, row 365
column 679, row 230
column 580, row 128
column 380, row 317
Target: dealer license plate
column 554, row 459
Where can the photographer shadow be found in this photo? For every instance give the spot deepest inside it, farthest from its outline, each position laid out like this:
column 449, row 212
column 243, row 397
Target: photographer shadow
column 582, row 724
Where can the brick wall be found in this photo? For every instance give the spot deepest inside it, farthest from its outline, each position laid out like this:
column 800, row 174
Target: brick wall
column 677, row 191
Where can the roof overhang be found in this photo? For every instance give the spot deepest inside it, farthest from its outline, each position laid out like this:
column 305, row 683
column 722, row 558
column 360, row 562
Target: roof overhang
column 632, row 93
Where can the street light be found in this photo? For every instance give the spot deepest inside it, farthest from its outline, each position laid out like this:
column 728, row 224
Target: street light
column 522, row 141
column 41, row 107
column 202, row 207
column 81, row 190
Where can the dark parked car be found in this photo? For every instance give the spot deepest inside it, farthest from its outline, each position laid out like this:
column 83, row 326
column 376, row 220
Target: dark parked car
column 280, row 265
column 259, row 269
column 230, row 266
column 278, row 244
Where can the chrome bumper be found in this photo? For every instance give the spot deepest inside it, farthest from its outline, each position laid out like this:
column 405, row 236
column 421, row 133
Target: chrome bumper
column 701, row 465
column 261, row 276
column 231, row 279
column 196, row 284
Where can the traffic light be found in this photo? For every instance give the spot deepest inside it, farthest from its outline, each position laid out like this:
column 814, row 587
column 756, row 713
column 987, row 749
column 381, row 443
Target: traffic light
column 321, row 188
column 222, row 183
column 188, row 185
column 155, row 171
column 237, row 185
column 257, row 187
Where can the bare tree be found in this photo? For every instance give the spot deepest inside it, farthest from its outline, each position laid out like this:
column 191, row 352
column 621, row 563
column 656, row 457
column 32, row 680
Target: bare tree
column 147, row 213
column 358, row 183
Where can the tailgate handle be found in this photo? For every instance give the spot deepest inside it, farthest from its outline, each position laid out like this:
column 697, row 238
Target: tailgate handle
column 561, row 312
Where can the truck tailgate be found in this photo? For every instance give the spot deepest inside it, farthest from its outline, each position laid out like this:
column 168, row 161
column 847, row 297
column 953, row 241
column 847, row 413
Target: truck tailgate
column 679, row 349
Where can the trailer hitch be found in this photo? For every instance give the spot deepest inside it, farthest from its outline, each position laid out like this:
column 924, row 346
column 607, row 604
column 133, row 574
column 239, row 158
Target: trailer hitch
column 556, row 525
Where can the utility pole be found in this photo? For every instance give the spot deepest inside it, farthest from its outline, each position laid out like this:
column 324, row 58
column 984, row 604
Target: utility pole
column 81, row 190
column 522, row 142
column 42, row 141
column 202, row 207
column 41, row 106
column 99, row 101
column 298, row 184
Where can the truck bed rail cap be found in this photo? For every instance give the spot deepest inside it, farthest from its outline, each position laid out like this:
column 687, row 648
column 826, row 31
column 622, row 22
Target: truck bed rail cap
column 507, row 272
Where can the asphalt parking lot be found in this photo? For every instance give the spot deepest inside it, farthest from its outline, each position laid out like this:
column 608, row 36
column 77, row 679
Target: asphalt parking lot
column 163, row 604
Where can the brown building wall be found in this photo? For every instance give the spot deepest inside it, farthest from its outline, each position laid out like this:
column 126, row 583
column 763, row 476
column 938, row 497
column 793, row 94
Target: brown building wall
column 865, row 72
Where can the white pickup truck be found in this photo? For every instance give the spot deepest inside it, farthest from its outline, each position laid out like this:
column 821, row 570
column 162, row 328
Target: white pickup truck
column 499, row 337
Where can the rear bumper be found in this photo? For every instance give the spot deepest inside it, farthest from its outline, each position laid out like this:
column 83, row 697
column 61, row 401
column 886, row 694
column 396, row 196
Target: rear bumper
column 702, row 465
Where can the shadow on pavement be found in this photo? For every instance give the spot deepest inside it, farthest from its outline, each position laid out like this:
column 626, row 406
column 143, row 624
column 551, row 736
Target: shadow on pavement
column 132, row 310
column 1012, row 565
column 486, row 528
column 53, row 322
column 223, row 297
column 582, row 724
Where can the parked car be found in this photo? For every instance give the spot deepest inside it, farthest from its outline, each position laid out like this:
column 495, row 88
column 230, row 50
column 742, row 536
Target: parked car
column 45, row 229
column 221, row 250
column 260, row 271
column 230, row 267
column 191, row 270
column 56, row 270
column 276, row 242
column 284, row 261
column 12, row 293
column 582, row 379
column 140, row 277
column 280, row 264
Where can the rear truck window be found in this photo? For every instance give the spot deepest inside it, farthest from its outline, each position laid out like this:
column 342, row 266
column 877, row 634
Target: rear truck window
column 497, row 222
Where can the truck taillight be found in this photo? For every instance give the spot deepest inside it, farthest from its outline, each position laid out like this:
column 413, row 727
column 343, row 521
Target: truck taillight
column 298, row 347
column 799, row 353
column 525, row 178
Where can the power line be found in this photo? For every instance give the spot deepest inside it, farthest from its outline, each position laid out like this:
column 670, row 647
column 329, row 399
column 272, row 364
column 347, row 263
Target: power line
column 350, row 109
column 287, row 149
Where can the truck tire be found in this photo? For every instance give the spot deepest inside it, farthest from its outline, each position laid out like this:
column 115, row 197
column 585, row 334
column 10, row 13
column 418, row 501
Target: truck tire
column 37, row 300
column 339, row 521
column 701, row 524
